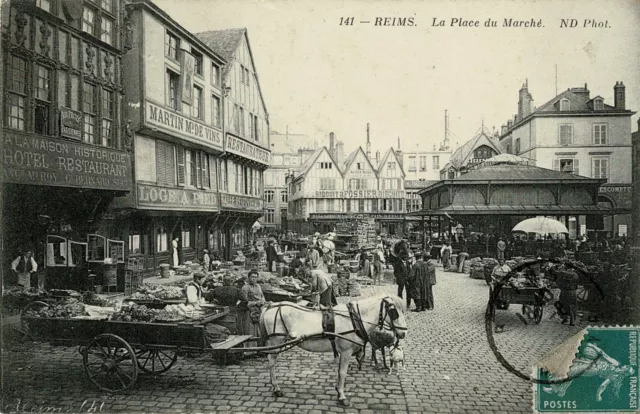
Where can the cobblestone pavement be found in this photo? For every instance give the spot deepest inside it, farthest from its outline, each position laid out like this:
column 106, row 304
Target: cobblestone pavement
column 449, row 368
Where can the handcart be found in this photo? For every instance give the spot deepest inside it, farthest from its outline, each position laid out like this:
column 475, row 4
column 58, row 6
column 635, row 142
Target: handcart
column 114, row 353
column 532, row 299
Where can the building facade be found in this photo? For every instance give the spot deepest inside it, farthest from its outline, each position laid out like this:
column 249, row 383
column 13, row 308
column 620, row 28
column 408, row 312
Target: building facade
column 481, row 147
column 64, row 159
column 574, row 132
column 246, row 141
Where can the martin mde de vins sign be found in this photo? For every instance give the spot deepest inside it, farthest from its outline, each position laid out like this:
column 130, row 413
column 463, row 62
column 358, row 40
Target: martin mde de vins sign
column 173, row 123
column 50, row 161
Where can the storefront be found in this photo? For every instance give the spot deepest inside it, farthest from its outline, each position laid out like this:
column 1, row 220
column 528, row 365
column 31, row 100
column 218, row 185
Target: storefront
column 617, row 197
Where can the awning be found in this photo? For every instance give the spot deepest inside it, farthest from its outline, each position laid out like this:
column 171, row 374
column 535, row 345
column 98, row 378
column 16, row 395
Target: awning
column 516, row 210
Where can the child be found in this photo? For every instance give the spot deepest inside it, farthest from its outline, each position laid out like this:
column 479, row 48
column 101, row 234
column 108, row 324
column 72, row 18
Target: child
column 377, row 269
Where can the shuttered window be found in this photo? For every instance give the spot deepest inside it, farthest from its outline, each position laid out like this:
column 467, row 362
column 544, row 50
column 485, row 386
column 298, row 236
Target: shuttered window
column 198, row 163
column 213, row 172
column 193, row 170
column 180, row 163
column 206, row 177
column 165, row 163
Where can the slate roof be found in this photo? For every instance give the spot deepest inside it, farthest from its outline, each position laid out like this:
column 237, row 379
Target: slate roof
column 579, row 102
column 306, row 166
column 290, row 143
column 224, row 42
column 517, row 172
column 462, row 154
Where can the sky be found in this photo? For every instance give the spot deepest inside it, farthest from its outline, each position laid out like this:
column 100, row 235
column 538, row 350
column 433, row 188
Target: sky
column 318, row 76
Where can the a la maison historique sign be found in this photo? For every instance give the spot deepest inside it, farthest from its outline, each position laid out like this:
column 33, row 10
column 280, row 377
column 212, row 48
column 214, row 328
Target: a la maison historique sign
column 31, row 159
column 170, row 198
column 240, row 147
column 173, row 123
column 238, row 202
column 342, row 216
column 360, row 194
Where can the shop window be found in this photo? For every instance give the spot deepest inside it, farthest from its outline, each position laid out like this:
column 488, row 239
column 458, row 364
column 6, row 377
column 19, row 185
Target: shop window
column 215, row 111
column 56, row 254
column 106, row 30
column 214, row 238
column 186, row 236
column 171, row 45
column 89, row 21
column 600, row 134
column 134, row 244
column 97, row 248
column 172, row 82
column 115, row 250
column 162, row 239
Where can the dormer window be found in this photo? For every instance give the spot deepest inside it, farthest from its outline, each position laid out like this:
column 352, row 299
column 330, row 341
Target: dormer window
column 598, row 105
column 565, row 105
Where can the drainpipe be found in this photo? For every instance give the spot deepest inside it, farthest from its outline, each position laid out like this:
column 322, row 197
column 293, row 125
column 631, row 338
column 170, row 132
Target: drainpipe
column 635, row 225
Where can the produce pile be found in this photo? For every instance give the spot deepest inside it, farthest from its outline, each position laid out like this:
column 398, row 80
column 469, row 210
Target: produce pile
column 69, row 308
column 158, row 292
column 90, row 298
column 140, row 313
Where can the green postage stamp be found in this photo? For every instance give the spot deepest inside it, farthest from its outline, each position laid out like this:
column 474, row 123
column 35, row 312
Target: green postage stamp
column 594, row 371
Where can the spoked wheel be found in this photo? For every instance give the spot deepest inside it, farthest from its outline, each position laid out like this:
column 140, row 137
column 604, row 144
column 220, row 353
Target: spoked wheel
column 155, row 361
column 110, row 363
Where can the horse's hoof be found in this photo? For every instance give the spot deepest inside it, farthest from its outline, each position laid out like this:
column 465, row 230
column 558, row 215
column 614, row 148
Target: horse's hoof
column 344, row 403
column 278, row 393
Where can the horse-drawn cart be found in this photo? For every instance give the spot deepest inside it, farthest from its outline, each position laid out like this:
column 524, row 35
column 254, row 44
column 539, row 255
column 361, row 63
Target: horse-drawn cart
column 532, row 299
column 114, row 353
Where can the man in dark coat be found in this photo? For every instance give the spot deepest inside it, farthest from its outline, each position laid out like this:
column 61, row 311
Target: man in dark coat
column 272, row 256
column 400, row 272
column 423, row 277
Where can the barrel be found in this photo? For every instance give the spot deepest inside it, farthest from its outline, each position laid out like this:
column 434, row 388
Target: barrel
column 164, row 270
column 331, row 268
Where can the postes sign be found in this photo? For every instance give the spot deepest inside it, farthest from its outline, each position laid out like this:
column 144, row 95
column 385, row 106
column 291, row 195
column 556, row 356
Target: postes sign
column 171, row 198
column 360, row 194
column 29, row 159
column 237, row 202
column 173, row 123
column 245, row 149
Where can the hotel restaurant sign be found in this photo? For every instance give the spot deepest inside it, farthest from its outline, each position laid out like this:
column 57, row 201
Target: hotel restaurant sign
column 155, row 197
column 245, row 149
column 360, row 194
column 35, row 160
column 237, row 202
column 172, row 123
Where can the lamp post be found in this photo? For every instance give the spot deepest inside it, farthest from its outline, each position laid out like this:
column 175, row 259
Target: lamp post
column 635, row 224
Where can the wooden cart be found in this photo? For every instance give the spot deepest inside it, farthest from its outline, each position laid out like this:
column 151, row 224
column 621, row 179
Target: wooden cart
column 532, row 299
column 114, row 353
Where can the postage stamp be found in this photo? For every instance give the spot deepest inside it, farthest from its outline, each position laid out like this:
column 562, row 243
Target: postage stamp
column 593, row 371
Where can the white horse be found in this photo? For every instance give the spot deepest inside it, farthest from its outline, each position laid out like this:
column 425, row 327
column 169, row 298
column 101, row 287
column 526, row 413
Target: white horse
column 289, row 323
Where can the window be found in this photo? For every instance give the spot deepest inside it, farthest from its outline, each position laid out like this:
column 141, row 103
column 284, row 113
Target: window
column 269, row 215
column 360, row 166
column 63, row 40
column 172, row 89
column 412, row 163
column 246, row 76
column 186, row 236
column 242, row 120
column 215, row 111
column 162, row 239
column 89, row 21
column 326, row 165
column 196, row 108
column 107, row 5
column 565, row 105
column 268, row 196
column 75, row 53
column 517, row 146
column 327, row 184
column 42, row 94
column 224, row 177
column 188, row 164
column 44, row 5
column 568, row 165
column 108, row 114
column 284, row 196
column 391, row 165
column 236, row 119
column 598, row 105
column 18, row 91
column 423, row 163
column 165, row 163
column 89, row 108
column 565, row 134
column 171, row 44
column 600, row 134
column 436, row 162
column 600, row 167
column 215, row 75
column 106, row 30
column 198, row 65
column 255, row 131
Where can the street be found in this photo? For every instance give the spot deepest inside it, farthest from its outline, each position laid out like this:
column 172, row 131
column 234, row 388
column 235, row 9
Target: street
column 449, row 368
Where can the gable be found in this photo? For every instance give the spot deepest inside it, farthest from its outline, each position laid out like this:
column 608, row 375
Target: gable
column 360, row 167
column 396, row 170
column 484, row 143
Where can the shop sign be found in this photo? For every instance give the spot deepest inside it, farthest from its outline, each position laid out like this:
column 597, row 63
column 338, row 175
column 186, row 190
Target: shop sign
column 70, row 123
column 342, row 216
column 170, row 198
column 360, row 194
column 361, row 173
column 31, row 159
column 173, row 123
column 237, row 202
column 245, row 149
column 620, row 194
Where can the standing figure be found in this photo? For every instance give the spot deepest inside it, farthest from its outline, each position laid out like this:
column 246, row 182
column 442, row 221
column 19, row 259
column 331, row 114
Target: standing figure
column 502, row 246
column 272, row 256
column 446, row 253
column 206, row 260
column 250, row 307
column 567, row 281
column 176, row 257
column 23, row 266
column 322, row 288
column 377, row 269
column 400, row 273
column 313, row 257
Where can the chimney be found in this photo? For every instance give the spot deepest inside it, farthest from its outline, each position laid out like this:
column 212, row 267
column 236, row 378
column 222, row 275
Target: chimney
column 398, row 143
column 445, row 144
column 339, row 157
column 377, row 158
column 399, row 154
column 509, row 124
column 524, row 103
column 332, row 141
column 368, row 143
column 619, row 96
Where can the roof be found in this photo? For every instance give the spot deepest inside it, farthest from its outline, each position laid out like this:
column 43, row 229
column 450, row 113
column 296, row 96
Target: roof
column 550, row 209
column 515, row 172
column 352, row 157
column 460, row 155
column 290, row 143
column 306, row 166
column 418, row 184
column 390, row 152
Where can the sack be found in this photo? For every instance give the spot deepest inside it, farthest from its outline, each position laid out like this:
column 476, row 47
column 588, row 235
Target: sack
column 216, row 333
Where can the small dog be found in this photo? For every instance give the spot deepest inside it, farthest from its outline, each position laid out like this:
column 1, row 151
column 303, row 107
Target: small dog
column 396, row 358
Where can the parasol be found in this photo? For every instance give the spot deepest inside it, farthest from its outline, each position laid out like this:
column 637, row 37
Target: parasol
column 541, row 225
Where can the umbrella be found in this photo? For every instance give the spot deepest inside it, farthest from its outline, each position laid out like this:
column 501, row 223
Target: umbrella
column 505, row 158
column 541, row 225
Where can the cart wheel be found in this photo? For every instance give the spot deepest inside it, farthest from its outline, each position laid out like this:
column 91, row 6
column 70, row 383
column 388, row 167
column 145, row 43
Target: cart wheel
column 110, row 363
column 537, row 313
column 154, row 361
